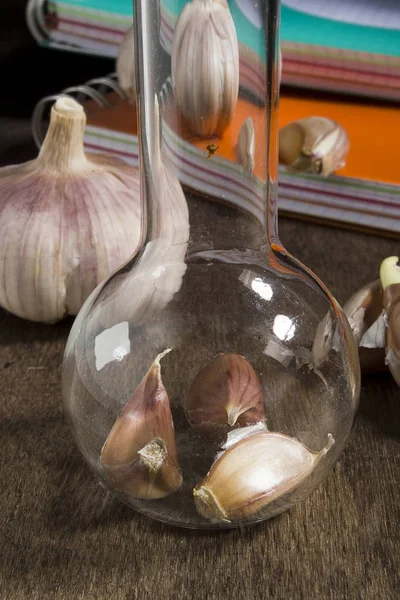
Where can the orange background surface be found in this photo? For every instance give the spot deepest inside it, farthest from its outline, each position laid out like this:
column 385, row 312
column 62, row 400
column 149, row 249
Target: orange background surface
column 374, row 131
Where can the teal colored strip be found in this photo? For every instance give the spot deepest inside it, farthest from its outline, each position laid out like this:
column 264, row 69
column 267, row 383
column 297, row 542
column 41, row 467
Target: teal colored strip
column 297, row 27
column 302, row 28
column 247, row 33
column 122, row 7
column 95, row 17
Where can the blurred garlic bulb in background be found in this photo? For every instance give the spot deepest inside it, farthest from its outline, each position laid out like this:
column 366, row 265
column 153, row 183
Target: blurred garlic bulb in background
column 313, row 145
column 205, row 66
column 159, row 269
column 67, row 221
column 126, row 66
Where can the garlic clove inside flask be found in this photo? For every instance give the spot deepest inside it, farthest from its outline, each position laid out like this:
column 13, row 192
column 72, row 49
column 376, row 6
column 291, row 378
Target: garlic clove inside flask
column 140, row 456
column 253, row 473
column 225, row 394
column 67, row 221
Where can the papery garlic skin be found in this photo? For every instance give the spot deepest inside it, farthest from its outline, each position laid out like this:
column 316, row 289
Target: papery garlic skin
column 364, row 308
column 67, row 221
column 140, row 454
column 390, row 278
column 205, row 66
column 364, row 311
column 225, row 394
column 314, row 145
column 126, row 66
column 253, row 473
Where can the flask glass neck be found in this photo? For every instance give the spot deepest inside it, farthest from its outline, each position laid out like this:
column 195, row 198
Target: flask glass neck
column 208, row 83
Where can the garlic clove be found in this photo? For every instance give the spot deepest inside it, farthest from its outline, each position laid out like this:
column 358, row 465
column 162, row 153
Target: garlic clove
column 205, row 66
column 67, row 221
column 140, row 456
column 314, row 145
column 252, row 474
column 364, row 308
column 126, row 66
column 390, row 277
column 246, row 146
column 225, row 394
column 364, row 311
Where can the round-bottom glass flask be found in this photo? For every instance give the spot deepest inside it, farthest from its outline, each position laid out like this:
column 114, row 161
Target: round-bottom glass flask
column 213, row 380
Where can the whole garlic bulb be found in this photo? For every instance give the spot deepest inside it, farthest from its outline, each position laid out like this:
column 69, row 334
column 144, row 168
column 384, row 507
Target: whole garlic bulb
column 205, row 66
column 67, row 221
column 126, row 66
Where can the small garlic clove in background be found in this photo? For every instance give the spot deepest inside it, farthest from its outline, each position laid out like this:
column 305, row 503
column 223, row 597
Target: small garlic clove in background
column 313, row 145
column 323, row 340
column 246, row 146
column 225, row 394
column 67, row 221
column 390, row 278
column 364, row 308
column 140, row 455
column 253, row 473
column 205, row 66
column 364, row 311
column 126, row 66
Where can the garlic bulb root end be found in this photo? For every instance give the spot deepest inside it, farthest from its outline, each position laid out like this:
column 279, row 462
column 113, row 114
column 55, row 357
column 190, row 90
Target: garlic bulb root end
column 68, row 107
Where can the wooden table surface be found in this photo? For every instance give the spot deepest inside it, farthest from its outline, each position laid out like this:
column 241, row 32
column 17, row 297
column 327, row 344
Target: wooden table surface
column 63, row 537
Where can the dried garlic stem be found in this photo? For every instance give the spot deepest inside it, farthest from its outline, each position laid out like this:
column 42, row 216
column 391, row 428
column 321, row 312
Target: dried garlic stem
column 62, row 150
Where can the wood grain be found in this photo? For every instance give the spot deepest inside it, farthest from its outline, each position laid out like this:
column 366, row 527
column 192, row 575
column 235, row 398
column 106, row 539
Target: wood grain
column 64, row 537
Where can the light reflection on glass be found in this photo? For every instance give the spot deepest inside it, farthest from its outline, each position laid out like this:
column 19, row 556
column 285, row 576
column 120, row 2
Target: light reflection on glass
column 283, row 328
column 264, row 290
column 112, row 344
